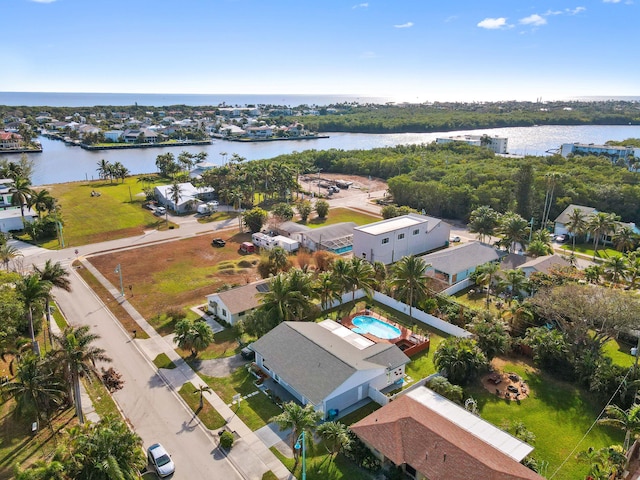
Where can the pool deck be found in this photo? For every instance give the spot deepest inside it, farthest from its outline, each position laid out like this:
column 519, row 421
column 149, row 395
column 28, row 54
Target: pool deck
column 406, row 335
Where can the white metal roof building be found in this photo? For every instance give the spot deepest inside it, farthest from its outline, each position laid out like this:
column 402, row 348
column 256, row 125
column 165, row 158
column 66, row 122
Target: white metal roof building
column 389, row 240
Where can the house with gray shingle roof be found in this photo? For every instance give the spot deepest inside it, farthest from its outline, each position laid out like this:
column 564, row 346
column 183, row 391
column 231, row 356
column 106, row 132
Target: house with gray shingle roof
column 454, row 264
column 233, row 304
column 327, row 365
column 560, row 224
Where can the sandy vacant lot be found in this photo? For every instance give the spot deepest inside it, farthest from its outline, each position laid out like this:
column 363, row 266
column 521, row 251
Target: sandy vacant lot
column 309, row 183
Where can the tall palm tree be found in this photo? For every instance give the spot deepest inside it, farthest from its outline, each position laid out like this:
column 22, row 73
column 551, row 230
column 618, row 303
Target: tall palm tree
column 340, row 272
column 21, row 193
column 626, row 420
column 104, row 169
column 514, row 230
column 633, row 268
column 41, row 201
column 34, row 291
column 79, row 356
column 175, row 194
column 58, row 276
column 360, row 277
column 410, row 281
column 625, row 239
column 514, row 282
column 201, row 390
column 484, row 276
column 600, row 225
column 327, row 289
column 296, row 418
column 8, row 253
column 576, row 225
column 483, row 220
column 519, row 316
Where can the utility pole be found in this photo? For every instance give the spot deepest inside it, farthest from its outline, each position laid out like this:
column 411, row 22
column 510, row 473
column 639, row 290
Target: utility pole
column 119, row 272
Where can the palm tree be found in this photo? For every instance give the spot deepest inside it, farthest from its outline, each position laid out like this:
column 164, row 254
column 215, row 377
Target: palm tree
column 483, row 220
column 279, row 258
column 625, row 239
column 335, row 436
column 616, row 267
column 626, row 420
column 514, row 230
column 519, row 316
column 538, row 248
column 327, row 289
column 42, row 201
column 410, row 281
column 460, row 358
column 593, row 273
column 484, row 276
column 633, row 268
column 8, row 253
column 296, row 418
column 57, row 275
column 21, row 193
column 104, row 169
column 576, row 225
column 79, row 357
column 105, row 450
column 360, row 277
column 175, row 194
column 201, row 391
column 600, row 225
column 514, row 281
column 340, row 272
column 120, row 171
column 193, row 335
column 36, row 389
column 34, row 291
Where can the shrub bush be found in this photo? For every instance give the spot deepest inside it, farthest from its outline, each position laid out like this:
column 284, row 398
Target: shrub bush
column 226, row 440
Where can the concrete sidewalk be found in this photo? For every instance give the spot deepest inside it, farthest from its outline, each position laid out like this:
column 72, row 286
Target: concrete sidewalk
column 249, row 454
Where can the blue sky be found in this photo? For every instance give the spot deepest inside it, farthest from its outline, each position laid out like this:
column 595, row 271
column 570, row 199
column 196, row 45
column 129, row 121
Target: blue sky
column 408, row 49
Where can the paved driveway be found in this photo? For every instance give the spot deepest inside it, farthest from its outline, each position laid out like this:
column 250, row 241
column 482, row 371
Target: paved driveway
column 220, row 367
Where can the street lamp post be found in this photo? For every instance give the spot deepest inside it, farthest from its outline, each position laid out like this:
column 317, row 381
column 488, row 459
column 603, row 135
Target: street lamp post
column 300, row 443
column 119, row 272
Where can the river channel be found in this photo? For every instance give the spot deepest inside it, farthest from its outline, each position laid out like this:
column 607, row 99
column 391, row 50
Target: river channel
column 61, row 163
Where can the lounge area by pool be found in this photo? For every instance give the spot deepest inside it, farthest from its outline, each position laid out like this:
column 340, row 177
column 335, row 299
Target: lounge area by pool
column 366, row 324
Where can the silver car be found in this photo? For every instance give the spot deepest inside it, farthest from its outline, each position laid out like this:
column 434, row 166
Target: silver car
column 160, row 460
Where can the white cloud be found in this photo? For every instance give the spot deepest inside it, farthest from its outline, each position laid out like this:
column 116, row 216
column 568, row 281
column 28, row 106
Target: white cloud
column 611, row 1
column 535, row 20
column 404, row 25
column 493, row 23
column 361, row 5
column 576, row 10
column 552, row 12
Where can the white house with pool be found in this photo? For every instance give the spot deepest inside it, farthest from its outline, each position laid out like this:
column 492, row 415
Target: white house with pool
column 329, row 366
column 389, row 240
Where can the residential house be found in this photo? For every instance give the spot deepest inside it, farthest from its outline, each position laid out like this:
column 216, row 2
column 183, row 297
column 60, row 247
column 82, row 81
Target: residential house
column 113, row 135
column 560, row 224
column 259, row 132
column 389, row 240
column 233, row 304
column 544, row 264
column 148, row 135
column 10, row 141
column 327, row 365
column 455, row 264
column 612, row 152
column 430, row 437
column 5, row 192
column 190, row 196
column 11, row 218
column 495, row 144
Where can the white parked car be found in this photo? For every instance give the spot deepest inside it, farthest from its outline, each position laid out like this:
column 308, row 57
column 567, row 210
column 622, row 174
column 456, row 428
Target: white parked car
column 160, row 211
column 160, row 460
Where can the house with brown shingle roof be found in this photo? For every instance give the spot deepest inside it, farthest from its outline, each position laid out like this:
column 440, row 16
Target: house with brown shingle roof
column 430, row 437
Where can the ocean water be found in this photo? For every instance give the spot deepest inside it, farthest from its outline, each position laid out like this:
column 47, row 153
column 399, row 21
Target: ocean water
column 60, row 99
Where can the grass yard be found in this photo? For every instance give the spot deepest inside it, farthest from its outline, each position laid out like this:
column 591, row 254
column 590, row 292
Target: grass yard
column 163, row 361
column 587, row 249
column 619, row 352
column 84, row 215
column 175, row 275
column 255, row 411
column 339, row 214
column 209, row 416
column 224, row 344
column 557, row 413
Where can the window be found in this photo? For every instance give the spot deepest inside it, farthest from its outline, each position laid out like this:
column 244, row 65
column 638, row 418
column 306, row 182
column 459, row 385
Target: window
column 385, row 240
column 401, row 236
column 241, row 314
column 224, row 312
column 416, row 231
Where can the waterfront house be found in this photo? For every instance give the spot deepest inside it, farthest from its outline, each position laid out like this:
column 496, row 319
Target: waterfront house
column 613, row 153
column 190, row 197
column 327, row 365
column 145, row 134
column 430, row 437
column 259, row 132
column 389, row 240
column 233, row 304
column 10, row 141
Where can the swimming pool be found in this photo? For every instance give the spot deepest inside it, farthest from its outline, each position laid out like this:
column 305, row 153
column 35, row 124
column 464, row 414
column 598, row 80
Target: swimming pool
column 373, row 326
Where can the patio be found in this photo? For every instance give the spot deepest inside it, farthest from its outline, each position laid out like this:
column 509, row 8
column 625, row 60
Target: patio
column 409, row 342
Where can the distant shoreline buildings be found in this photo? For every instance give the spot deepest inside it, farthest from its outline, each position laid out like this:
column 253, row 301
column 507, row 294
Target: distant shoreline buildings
column 495, row 144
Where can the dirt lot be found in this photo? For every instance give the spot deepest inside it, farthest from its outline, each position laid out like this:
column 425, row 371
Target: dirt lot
column 180, row 273
column 309, row 183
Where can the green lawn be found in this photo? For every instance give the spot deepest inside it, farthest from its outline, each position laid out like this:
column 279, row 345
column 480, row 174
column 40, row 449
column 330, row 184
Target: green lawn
column 255, row 411
column 587, row 249
column 559, row 414
column 84, row 215
column 209, row 416
column 318, row 466
column 619, row 352
column 163, row 361
column 339, row 215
